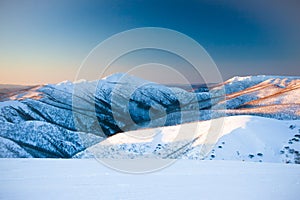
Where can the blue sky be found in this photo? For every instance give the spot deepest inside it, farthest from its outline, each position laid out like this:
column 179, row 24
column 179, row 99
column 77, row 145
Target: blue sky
column 46, row 41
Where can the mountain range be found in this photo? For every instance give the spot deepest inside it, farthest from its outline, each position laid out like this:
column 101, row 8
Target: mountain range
column 68, row 120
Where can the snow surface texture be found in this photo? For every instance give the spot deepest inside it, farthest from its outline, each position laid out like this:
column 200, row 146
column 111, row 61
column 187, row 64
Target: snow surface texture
column 62, row 120
column 244, row 138
column 189, row 179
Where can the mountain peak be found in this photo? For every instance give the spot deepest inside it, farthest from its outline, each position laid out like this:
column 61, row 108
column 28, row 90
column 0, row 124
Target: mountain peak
column 114, row 77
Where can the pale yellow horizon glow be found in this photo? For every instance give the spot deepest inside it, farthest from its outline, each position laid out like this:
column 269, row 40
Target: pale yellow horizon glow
column 36, row 76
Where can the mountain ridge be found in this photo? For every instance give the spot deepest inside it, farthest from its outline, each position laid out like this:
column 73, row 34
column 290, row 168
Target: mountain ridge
column 121, row 103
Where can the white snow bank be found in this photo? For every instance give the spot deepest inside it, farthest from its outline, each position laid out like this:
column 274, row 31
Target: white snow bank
column 185, row 179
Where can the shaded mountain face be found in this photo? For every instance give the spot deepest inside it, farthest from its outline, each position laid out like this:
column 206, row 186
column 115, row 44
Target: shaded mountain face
column 63, row 119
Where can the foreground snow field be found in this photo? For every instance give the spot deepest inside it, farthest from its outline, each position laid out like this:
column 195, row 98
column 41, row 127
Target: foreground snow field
column 185, row 179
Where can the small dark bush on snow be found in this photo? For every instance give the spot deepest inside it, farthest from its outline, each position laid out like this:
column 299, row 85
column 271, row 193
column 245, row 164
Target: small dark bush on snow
column 292, row 126
column 251, row 156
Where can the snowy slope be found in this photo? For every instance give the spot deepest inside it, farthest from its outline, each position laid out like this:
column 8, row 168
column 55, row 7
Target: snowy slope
column 185, row 179
column 244, row 138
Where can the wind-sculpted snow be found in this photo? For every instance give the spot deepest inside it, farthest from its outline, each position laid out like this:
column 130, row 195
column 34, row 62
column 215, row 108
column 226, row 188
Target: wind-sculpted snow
column 61, row 120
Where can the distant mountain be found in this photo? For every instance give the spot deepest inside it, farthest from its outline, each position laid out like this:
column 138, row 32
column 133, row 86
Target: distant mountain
column 61, row 120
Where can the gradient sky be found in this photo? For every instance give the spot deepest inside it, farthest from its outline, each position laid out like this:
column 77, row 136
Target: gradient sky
column 46, row 41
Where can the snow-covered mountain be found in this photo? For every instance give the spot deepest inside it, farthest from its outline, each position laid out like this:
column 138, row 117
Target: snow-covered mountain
column 62, row 120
